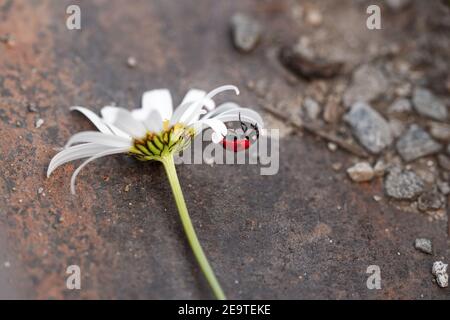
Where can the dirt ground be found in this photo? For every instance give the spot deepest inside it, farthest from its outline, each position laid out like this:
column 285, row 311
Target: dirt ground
column 308, row 232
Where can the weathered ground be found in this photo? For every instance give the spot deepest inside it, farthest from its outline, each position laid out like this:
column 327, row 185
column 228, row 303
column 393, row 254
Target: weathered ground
column 307, row 232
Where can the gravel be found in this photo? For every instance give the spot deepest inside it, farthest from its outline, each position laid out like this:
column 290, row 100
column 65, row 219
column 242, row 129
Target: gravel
column 430, row 200
column 416, row 143
column 400, row 105
column 311, row 108
column 39, row 123
column 440, row 131
column 368, row 83
column 403, row 185
column 424, row 245
column 428, row 105
column 369, row 127
column 439, row 270
column 131, row 62
column 246, row 32
column 380, row 168
column 444, row 162
column 397, row 5
column 361, row 172
column 305, row 64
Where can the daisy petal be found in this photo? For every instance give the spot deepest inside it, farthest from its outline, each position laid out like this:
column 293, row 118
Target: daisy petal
column 219, row 128
column 123, row 120
column 96, row 120
column 98, row 155
column 195, row 95
column 99, row 138
column 247, row 115
column 220, row 109
column 194, row 110
column 153, row 122
column 75, row 153
column 159, row 100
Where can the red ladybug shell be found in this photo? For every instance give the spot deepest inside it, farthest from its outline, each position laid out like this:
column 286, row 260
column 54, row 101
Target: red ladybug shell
column 236, row 144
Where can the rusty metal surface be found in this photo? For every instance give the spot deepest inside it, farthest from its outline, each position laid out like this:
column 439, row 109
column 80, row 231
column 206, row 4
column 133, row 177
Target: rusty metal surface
column 306, row 232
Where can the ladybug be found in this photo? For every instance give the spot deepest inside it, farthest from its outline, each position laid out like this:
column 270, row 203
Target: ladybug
column 237, row 140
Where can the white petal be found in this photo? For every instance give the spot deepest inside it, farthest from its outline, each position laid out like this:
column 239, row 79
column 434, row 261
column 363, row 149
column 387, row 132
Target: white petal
column 194, row 110
column 195, row 95
column 101, row 126
column 227, row 106
column 220, row 130
column 139, row 114
column 116, row 131
column 159, row 100
column 98, row 155
column 75, row 153
column 122, row 119
column 99, row 138
column 154, row 122
column 247, row 115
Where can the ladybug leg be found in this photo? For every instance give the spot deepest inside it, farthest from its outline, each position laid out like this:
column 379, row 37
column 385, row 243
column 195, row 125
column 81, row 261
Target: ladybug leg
column 243, row 125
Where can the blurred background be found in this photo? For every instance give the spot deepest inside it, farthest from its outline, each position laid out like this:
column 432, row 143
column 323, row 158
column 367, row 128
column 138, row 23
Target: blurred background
column 364, row 162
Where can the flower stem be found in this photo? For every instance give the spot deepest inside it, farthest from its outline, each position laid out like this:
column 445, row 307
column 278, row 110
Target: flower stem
column 169, row 165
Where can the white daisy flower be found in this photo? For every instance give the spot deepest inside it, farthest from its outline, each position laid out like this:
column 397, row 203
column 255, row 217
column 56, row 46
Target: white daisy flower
column 154, row 130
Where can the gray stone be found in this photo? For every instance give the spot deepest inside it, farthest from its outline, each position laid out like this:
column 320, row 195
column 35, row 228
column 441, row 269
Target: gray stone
column 361, row 172
column 305, row 63
column 397, row 127
column 444, row 187
column 367, row 84
column 369, row 127
column 439, row 270
column 380, row 168
column 444, row 162
column 430, row 200
column 401, row 105
column 246, row 32
column 428, row 105
column 416, row 143
column 440, row 131
column 403, row 185
column 424, row 245
column 397, row 5
column 312, row 108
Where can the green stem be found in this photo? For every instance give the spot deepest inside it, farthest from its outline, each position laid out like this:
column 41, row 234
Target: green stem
column 169, row 165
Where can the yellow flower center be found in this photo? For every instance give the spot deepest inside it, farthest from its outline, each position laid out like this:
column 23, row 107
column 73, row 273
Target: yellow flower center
column 156, row 145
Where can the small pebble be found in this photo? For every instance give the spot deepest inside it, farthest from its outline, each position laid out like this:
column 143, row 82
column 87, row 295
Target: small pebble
column 377, row 198
column 7, row 264
column 332, row 146
column 337, row 166
column 439, row 270
column 32, row 107
column 361, row 172
column 428, row 105
column 132, row 62
column 246, row 32
column 403, row 185
column 39, row 123
column 424, row 245
column 314, row 17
